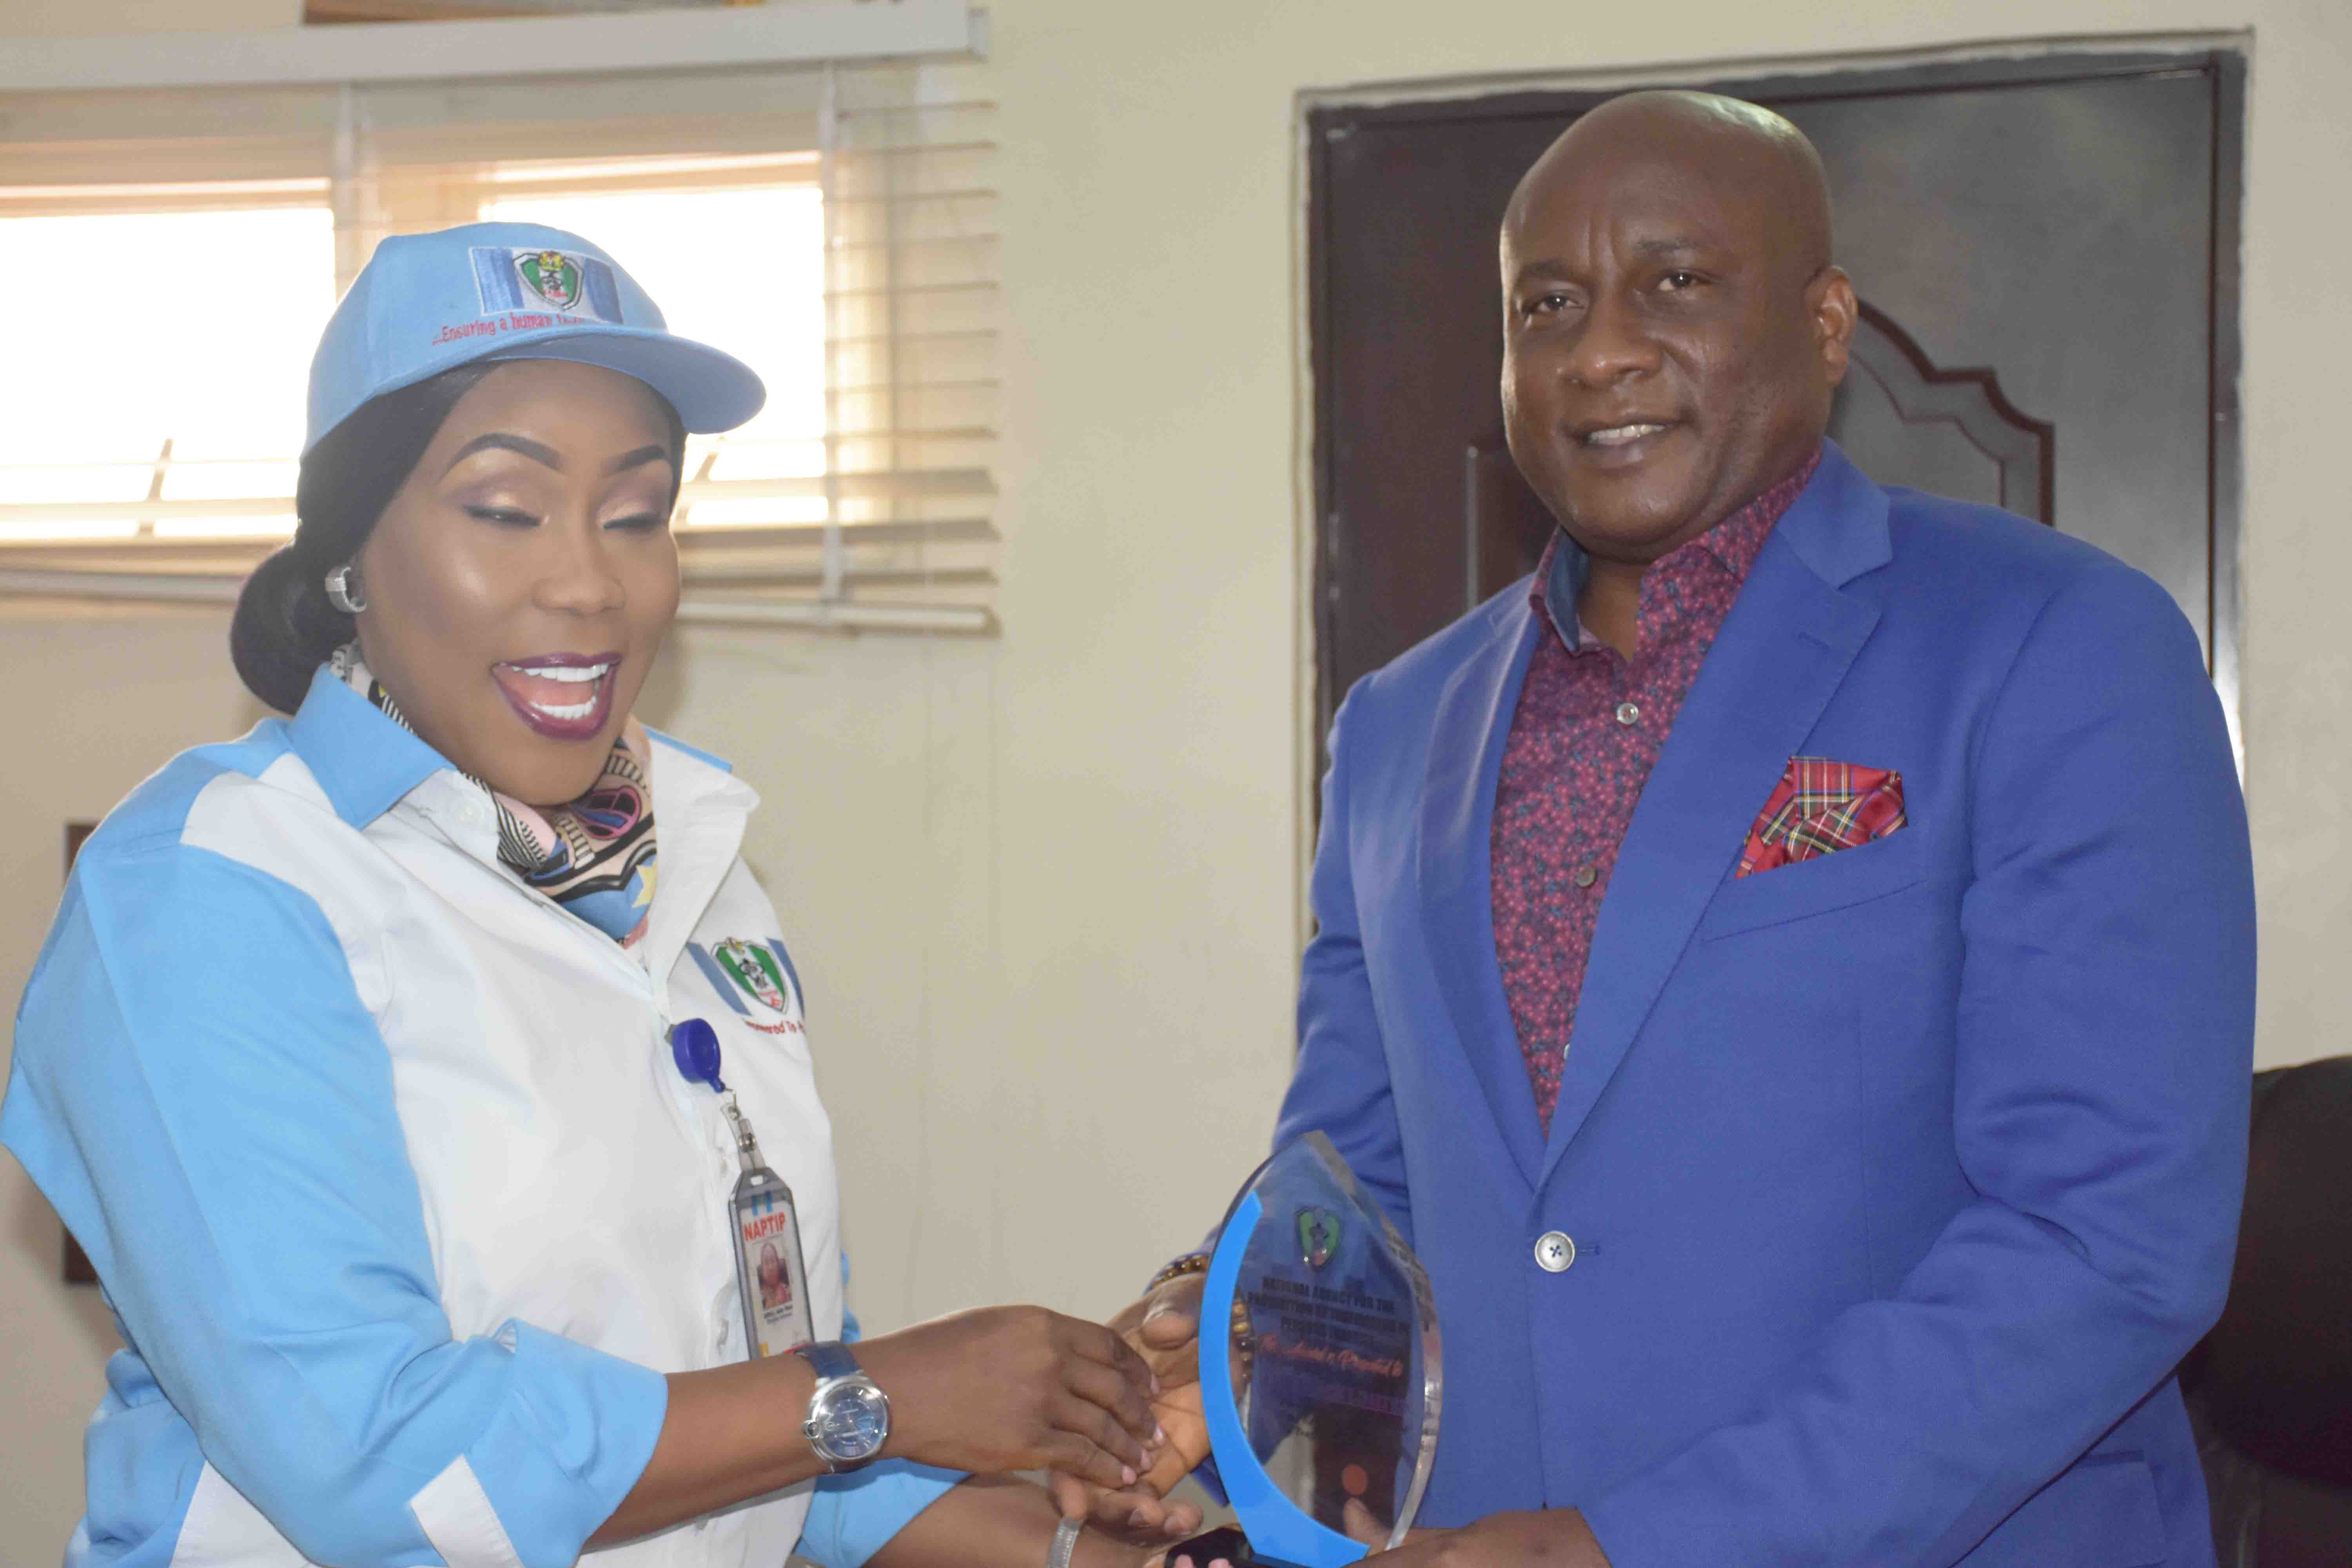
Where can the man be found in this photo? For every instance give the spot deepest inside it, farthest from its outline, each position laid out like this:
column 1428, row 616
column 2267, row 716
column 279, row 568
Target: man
column 1788, row 967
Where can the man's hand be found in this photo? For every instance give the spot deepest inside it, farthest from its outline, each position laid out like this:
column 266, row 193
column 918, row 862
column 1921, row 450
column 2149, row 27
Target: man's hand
column 1161, row 1327
column 1137, row 1513
column 1555, row 1536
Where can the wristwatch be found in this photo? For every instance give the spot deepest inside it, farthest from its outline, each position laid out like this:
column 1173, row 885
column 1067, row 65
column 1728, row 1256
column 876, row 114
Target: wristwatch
column 848, row 1416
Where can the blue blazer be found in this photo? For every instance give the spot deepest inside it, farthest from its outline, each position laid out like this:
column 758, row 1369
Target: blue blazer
column 1899, row 1179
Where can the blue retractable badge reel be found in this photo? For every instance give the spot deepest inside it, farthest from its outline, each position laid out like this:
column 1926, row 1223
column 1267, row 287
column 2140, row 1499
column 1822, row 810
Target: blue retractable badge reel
column 763, row 1225
column 694, row 1047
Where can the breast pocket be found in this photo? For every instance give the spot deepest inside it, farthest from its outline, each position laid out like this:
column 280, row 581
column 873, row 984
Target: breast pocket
column 1805, row 888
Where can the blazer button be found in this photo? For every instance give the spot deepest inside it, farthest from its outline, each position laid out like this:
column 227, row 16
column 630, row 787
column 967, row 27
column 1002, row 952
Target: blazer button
column 1555, row 1250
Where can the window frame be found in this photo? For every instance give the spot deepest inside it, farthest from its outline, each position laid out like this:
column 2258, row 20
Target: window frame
column 742, row 574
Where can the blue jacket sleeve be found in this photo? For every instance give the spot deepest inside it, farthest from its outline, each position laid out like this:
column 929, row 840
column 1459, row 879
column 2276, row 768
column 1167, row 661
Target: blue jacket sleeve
column 852, row 1517
column 200, row 1091
column 1340, row 1086
column 2104, row 1043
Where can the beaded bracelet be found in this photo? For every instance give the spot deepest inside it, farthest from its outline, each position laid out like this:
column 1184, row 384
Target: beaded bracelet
column 1191, row 1263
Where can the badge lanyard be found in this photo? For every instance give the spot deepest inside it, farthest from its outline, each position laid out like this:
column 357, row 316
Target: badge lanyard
column 770, row 1275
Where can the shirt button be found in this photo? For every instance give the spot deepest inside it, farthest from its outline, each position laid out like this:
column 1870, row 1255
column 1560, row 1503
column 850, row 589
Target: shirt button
column 1586, row 876
column 470, row 813
column 1555, row 1251
column 1628, row 714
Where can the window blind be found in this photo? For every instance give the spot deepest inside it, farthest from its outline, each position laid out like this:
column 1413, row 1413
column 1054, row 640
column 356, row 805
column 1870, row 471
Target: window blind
column 852, row 253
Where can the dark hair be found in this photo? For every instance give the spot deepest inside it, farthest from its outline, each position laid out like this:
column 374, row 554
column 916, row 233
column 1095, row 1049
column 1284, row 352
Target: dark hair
column 284, row 627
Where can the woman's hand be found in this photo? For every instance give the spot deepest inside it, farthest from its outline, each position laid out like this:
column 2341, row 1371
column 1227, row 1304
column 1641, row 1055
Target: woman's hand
column 998, row 1521
column 1016, row 1388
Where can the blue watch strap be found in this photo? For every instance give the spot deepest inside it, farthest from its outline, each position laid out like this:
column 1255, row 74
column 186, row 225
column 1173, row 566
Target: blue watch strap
column 830, row 1359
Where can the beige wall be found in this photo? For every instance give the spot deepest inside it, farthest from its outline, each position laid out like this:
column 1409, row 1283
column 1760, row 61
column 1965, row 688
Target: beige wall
column 138, row 689
column 1042, row 888
column 78, row 18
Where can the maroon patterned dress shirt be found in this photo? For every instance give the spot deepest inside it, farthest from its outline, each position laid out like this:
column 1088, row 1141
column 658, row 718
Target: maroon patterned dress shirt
column 1588, row 729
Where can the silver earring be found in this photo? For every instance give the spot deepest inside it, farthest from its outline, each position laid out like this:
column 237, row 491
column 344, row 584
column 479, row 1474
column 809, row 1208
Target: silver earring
column 340, row 594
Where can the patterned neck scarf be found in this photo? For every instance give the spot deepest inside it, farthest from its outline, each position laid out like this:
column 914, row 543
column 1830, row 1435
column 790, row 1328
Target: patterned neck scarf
column 596, row 856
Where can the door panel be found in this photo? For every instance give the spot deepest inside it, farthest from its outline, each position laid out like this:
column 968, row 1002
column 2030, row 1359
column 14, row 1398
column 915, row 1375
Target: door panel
column 1951, row 432
column 2056, row 233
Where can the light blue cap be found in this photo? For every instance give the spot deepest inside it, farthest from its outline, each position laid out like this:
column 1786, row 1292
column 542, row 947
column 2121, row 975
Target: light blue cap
column 429, row 302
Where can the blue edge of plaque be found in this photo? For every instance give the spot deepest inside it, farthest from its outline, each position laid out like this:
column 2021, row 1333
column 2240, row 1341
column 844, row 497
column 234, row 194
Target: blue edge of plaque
column 1279, row 1530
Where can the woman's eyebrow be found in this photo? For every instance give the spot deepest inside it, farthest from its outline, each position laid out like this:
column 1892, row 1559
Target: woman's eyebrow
column 642, row 454
column 537, row 451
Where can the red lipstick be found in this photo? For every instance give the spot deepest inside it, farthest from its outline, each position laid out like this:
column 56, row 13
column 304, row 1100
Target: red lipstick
column 563, row 696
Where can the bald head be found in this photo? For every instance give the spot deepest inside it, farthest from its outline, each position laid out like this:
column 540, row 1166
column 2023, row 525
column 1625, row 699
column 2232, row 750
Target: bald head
column 1672, row 325
column 1742, row 149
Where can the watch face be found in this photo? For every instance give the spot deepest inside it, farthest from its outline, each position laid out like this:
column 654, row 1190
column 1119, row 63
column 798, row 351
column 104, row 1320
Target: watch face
column 851, row 1420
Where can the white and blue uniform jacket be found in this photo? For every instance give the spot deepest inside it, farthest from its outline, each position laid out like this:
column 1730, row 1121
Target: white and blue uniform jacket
column 398, row 1198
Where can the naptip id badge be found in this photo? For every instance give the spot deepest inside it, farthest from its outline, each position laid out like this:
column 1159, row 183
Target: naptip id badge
column 770, row 1274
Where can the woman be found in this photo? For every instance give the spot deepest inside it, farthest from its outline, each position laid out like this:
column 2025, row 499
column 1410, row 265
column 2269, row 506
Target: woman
column 358, row 1057
column 776, row 1290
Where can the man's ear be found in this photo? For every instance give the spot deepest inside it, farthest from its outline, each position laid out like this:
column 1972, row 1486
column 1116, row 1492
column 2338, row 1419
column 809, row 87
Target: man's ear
column 1830, row 303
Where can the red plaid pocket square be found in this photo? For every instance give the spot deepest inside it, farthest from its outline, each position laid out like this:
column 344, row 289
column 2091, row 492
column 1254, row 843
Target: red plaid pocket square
column 1821, row 807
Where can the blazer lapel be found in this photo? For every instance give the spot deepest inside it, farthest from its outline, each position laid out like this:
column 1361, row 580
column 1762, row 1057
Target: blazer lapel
column 1466, row 755
column 1782, row 651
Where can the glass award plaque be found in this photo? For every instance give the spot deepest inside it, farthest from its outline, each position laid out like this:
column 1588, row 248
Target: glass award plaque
column 1322, row 1392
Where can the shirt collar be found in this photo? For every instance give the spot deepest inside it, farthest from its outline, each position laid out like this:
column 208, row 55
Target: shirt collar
column 366, row 764
column 363, row 760
column 1560, row 582
column 1733, row 544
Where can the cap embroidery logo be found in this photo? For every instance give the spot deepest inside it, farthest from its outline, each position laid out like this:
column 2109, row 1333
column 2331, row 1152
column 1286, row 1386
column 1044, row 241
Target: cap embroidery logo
column 522, row 288
column 551, row 275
